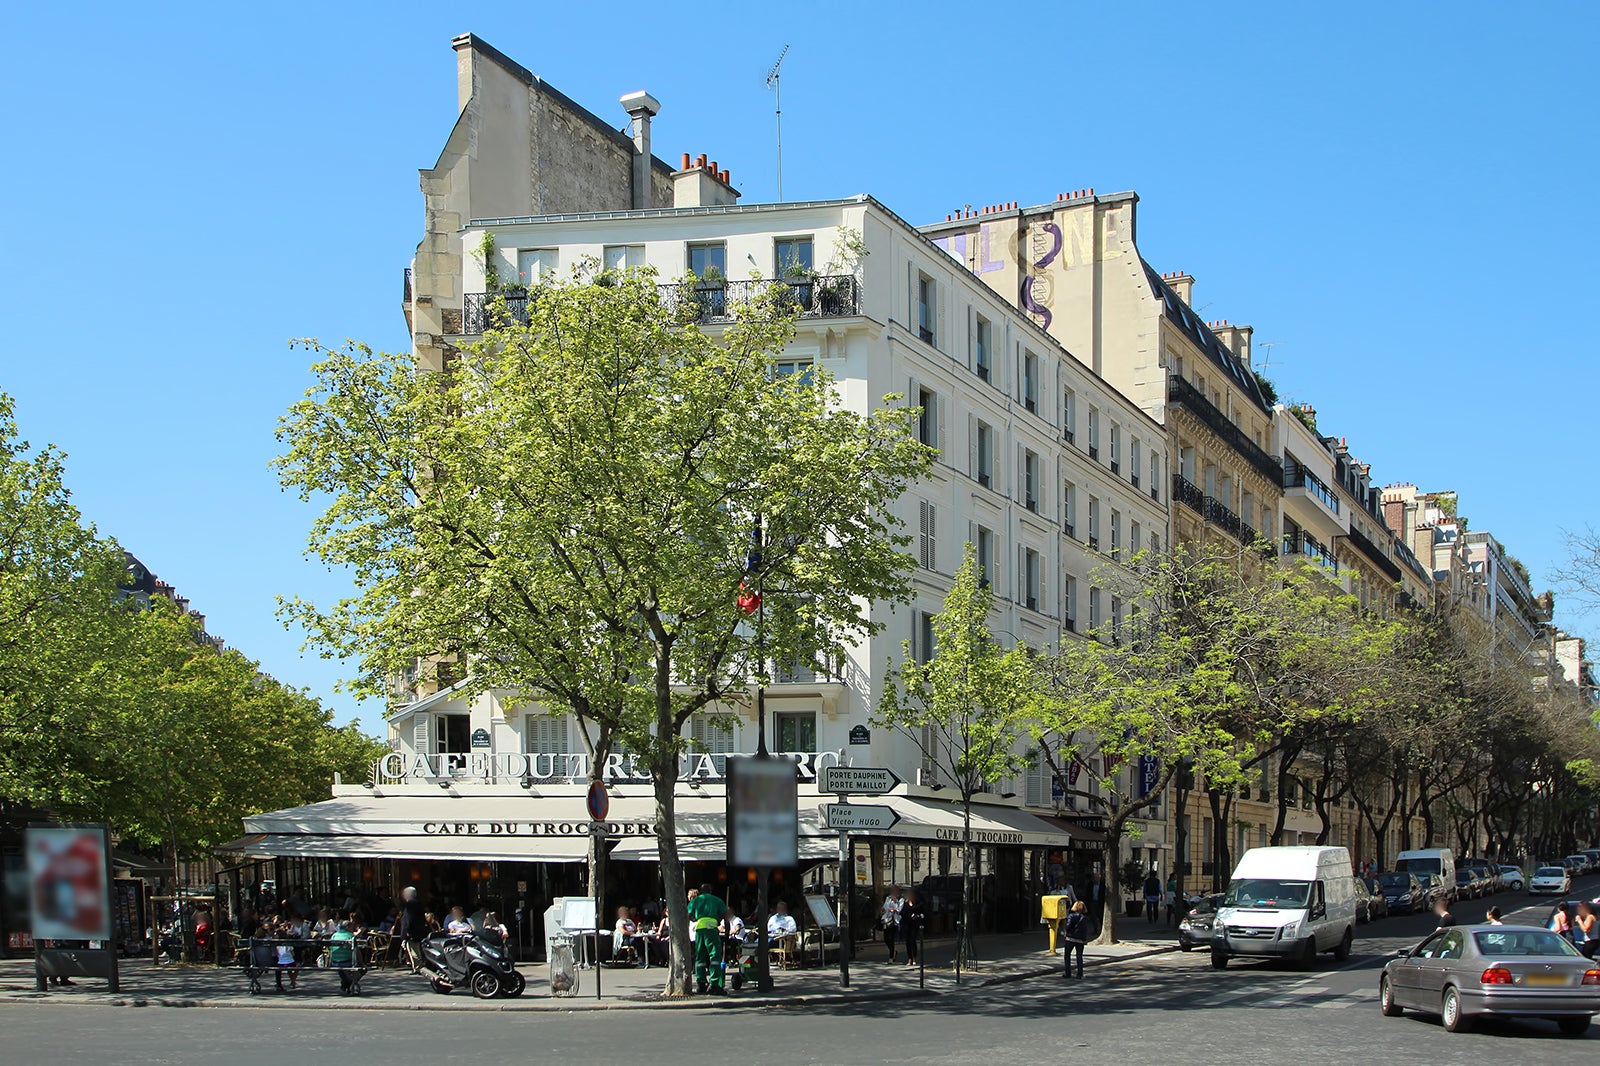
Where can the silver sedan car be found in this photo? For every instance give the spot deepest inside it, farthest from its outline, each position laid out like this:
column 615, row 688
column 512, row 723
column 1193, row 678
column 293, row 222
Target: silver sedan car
column 1504, row 971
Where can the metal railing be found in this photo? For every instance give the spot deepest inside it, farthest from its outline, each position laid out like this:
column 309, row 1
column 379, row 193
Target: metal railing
column 831, row 296
column 1219, row 512
column 1181, row 392
column 1188, row 493
column 1296, row 476
column 1375, row 553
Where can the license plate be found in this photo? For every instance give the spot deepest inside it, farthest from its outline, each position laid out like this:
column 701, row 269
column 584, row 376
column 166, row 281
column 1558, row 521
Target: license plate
column 1545, row 980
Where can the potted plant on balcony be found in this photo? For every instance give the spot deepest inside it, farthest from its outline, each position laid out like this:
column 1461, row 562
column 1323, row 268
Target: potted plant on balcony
column 798, row 282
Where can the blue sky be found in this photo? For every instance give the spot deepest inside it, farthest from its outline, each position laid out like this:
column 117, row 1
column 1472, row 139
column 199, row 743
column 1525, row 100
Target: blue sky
column 1400, row 202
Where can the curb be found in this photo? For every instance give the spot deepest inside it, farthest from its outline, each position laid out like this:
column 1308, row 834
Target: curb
column 814, row 999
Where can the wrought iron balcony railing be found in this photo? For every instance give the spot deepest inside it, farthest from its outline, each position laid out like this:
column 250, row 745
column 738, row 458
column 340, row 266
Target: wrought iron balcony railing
column 1186, row 395
column 704, row 302
column 1188, row 493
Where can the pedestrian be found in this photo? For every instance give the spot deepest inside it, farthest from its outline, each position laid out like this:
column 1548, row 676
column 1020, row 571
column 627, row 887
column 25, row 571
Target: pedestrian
column 1095, row 896
column 889, row 918
column 1076, row 934
column 913, row 919
column 1441, row 911
column 342, row 955
column 1586, row 930
column 1152, row 897
column 413, row 926
column 705, row 913
column 1493, row 917
column 1172, row 900
column 1561, row 920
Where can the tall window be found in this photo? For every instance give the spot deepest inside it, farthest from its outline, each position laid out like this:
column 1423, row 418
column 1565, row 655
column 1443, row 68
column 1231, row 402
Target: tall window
column 1094, row 522
column 924, row 643
column 927, row 526
column 1030, row 578
column 1030, row 381
column 800, row 369
column 620, row 257
column 1094, row 433
column 1133, row 462
column 928, row 419
column 792, row 255
column 1116, row 619
column 1116, row 449
column 1030, row 481
column 1069, row 509
column 535, row 265
column 708, row 262
column 1116, row 531
column 1155, row 543
column 985, row 550
column 1069, row 601
column 1155, row 477
column 1135, row 536
column 984, row 351
column 1069, row 415
column 546, row 734
column 712, row 734
column 925, row 308
column 985, row 455
column 796, row 732
column 1094, row 608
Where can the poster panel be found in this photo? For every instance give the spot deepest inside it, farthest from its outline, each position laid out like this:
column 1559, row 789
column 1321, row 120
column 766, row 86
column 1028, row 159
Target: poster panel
column 763, row 812
column 69, row 883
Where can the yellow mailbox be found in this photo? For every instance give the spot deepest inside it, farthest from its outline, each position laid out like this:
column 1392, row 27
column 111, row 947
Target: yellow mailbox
column 1052, row 911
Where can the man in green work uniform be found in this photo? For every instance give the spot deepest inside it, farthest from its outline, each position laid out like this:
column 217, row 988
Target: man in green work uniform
column 705, row 911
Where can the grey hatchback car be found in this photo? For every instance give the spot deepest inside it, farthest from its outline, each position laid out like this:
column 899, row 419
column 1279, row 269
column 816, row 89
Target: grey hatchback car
column 1504, row 971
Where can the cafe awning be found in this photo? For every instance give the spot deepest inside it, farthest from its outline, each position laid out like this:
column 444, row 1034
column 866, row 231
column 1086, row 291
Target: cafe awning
column 467, row 848
column 701, row 838
column 940, row 821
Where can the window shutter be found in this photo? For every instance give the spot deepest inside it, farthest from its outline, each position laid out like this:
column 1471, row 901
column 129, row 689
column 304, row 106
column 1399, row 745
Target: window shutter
column 419, row 735
column 1022, row 575
column 911, row 289
column 972, row 333
column 927, row 521
column 972, row 446
column 941, row 417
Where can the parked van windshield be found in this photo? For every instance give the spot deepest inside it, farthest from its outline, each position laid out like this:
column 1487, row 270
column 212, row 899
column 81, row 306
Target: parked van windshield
column 1420, row 867
column 1266, row 892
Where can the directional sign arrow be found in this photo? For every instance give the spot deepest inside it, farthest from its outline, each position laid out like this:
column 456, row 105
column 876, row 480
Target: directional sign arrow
column 860, row 817
column 859, row 780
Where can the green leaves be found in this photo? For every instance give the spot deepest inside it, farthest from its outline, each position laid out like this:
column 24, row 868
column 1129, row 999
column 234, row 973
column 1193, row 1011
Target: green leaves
column 119, row 714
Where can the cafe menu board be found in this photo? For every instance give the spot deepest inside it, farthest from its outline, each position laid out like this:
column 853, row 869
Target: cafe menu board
column 127, row 915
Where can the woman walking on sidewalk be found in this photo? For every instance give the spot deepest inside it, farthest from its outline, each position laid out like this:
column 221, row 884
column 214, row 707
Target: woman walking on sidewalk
column 1075, row 933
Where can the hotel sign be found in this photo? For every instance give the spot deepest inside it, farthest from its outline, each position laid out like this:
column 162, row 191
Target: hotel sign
column 545, row 766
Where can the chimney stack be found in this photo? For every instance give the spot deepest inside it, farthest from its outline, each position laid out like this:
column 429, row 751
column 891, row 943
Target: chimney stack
column 1182, row 284
column 641, row 108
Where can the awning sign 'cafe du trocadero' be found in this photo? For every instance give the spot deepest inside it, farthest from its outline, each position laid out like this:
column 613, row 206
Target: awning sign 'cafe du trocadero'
column 543, row 766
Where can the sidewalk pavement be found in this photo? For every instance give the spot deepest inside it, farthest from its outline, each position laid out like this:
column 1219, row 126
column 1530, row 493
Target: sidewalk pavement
column 1000, row 959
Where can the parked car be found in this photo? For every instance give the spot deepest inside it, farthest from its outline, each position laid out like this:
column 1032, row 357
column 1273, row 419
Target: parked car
column 1511, row 877
column 1370, row 903
column 1502, row 970
column 1194, row 931
column 1467, row 884
column 1403, row 893
column 1550, row 880
column 1578, row 864
column 1594, row 859
column 1489, row 873
column 1438, row 890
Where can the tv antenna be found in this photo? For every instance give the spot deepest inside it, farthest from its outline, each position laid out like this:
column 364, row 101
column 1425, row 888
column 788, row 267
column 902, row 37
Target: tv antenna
column 772, row 83
column 1269, row 345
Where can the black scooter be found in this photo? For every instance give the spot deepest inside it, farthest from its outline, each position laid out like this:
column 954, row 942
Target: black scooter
column 468, row 960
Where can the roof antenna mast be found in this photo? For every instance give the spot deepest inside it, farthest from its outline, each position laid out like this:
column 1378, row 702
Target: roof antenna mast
column 772, row 83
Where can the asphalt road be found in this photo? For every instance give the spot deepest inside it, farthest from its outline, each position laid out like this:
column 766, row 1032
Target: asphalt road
column 1171, row 1008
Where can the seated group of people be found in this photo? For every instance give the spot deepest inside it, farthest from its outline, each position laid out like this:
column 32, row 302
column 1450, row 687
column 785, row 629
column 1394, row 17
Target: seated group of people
column 651, row 939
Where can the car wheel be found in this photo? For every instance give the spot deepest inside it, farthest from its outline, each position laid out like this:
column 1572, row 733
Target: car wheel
column 1342, row 952
column 1516, row 886
column 1386, row 1002
column 485, row 985
column 1573, row 1026
column 1450, row 1012
column 1219, row 960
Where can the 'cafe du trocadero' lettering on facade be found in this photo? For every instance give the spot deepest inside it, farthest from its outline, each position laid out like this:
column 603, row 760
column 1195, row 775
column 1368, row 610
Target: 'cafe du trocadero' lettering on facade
column 979, row 836
column 536, row 829
column 543, row 766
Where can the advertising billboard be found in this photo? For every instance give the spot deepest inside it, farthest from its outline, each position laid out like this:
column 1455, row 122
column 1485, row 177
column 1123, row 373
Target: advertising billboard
column 69, row 883
column 763, row 812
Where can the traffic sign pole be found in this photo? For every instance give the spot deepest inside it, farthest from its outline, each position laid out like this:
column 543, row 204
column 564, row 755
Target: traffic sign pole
column 847, row 877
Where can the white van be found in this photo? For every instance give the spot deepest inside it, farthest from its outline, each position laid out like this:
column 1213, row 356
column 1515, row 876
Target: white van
column 1287, row 903
column 1427, row 863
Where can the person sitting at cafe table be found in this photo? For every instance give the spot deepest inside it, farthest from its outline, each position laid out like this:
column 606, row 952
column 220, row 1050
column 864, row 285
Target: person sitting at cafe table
column 781, row 923
column 342, row 955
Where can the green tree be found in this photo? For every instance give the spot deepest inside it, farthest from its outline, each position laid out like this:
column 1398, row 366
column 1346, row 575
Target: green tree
column 966, row 709
column 573, row 505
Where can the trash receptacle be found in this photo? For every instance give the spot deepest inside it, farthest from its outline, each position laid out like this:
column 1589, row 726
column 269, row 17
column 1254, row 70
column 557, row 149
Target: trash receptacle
column 563, row 967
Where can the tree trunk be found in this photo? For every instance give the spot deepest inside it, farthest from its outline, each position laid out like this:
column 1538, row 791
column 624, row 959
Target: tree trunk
column 964, row 934
column 664, row 773
column 1111, row 882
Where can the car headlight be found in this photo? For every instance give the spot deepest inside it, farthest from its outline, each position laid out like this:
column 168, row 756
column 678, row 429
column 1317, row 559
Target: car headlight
column 1290, row 931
